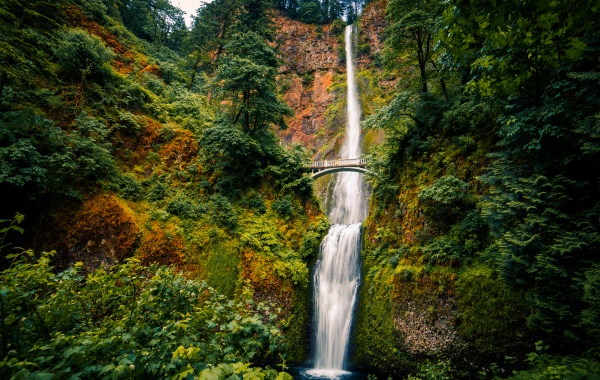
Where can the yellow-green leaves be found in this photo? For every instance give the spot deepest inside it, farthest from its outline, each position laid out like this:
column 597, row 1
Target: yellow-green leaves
column 508, row 46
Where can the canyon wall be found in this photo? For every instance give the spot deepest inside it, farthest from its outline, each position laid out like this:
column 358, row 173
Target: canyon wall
column 313, row 77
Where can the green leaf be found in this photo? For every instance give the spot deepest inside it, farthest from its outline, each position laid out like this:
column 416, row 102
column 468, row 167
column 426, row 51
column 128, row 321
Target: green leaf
column 210, row 374
column 188, row 370
column 284, row 376
column 19, row 217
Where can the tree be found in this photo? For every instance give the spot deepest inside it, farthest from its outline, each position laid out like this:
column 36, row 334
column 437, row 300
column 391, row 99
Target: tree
column 247, row 83
column 310, row 12
column 154, row 20
column 334, row 9
column 135, row 17
column 25, row 29
column 208, row 35
column 165, row 19
column 83, row 56
column 504, row 45
column 232, row 156
column 543, row 204
column 413, row 27
column 256, row 17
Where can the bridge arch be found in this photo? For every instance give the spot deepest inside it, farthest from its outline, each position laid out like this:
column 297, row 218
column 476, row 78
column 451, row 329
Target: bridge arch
column 321, row 168
column 323, row 172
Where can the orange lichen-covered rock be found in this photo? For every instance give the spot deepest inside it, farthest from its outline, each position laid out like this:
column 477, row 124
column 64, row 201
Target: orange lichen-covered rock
column 180, row 150
column 304, row 49
column 161, row 248
column 372, row 26
column 309, row 101
column 312, row 56
column 259, row 272
column 152, row 69
column 102, row 232
column 310, row 60
column 175, row 151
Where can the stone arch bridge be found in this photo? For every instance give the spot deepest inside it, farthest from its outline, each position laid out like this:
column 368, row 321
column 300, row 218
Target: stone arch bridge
column 321, row 168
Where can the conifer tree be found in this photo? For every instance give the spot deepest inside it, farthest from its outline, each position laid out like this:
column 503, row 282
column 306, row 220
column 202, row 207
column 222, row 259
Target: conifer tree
column 247, row 81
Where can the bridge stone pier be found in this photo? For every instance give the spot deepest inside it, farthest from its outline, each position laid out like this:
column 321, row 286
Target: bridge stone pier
column 321, row 168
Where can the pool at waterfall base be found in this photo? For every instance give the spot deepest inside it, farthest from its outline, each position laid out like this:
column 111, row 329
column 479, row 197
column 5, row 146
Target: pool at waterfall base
column 332, row 374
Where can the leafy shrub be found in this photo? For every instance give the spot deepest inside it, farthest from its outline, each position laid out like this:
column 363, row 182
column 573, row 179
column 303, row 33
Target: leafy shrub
column 128, row 322
column 222, row 212
column 491, row 315
column 31, row 146
column 591, row 295
column 83, row 56
column 228, row 152
column 548, row 367
column 460, row 243
column 132, row 96
column 288, row 169
column 183, row 207
column 440, row 370
column 283, row 207
column 338, row 26
column 128, row 122
column 126, row 185
column 363, row 49
column 86, row 153
column 156, row 190
column 255, row 201
column 311, row 241
column 443, row 201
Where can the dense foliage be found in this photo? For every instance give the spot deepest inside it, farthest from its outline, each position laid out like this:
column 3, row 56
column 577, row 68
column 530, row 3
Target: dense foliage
column 485, row 202
column 126, row 322
column 322, row 11
column 140, row 150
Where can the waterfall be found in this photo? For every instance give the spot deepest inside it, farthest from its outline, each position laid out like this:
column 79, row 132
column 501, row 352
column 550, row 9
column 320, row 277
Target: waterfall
column 337, row 276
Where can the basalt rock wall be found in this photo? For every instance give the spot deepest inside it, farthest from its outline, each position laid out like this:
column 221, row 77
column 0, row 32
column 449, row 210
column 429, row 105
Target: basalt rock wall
column 313, row 62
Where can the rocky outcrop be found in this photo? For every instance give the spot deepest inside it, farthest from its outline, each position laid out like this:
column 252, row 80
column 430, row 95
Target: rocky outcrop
column 313, row 59
column 310, row 61
column 372, row 24
column 309, row 99
column 307, row 48
column 100, row 232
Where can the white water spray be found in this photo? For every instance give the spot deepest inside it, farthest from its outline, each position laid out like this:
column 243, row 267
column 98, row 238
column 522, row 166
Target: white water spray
column 338, row 272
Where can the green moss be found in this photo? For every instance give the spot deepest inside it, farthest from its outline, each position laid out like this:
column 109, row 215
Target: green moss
column 492, row 316
column 295, row 327
column 222, row 268
column 376, row 342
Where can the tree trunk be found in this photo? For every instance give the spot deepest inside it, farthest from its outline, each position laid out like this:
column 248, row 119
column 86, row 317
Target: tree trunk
column 3, row 78
column 444, row 89
column 195, row 69
column 422, row 54
column 423, row 77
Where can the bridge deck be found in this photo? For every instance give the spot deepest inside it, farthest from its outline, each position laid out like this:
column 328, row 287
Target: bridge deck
column 340, row 163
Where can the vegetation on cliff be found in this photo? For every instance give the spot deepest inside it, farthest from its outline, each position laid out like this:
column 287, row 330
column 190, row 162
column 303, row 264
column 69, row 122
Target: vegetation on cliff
column 132, row 143
column 483, row 235
column 171, row 233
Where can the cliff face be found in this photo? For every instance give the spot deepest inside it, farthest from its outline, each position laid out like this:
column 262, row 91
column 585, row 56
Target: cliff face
column 372, row 24
column 310, row 56
column 313, row 62
column 307, row 48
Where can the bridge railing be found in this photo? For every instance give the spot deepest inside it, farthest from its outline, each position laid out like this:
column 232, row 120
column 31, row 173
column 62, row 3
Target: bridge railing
column 344, row 162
